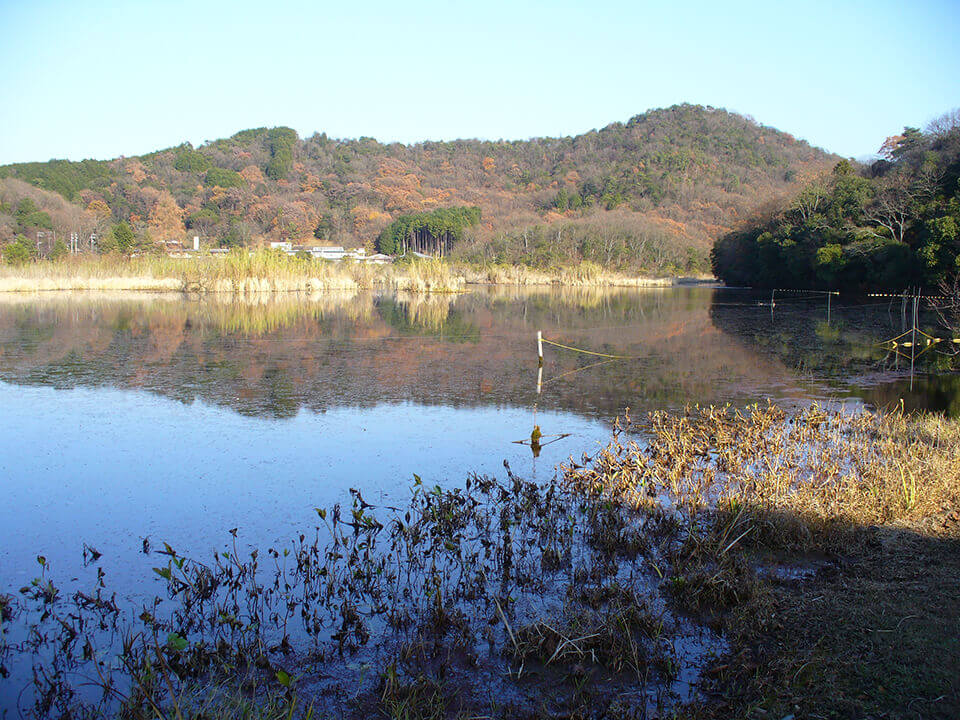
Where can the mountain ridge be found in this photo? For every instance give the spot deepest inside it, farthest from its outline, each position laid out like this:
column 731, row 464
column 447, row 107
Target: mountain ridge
column 687, row 172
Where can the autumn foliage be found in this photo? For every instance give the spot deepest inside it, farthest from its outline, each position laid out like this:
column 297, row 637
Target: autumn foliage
column 690, row 171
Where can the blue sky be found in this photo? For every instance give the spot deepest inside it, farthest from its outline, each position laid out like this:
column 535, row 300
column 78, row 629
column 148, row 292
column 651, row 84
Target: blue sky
column 102, row 79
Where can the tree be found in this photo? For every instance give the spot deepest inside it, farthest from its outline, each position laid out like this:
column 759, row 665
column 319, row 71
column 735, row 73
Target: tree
column 19, row 252
column 123, row 237
column 166, row 218
column 29, row 216
column 893, row 205
column 59, row 250
column 203, row 220
column 433, row 232
column 221, row 177
column 189, row 160
column 237, row 235
column 281, row 142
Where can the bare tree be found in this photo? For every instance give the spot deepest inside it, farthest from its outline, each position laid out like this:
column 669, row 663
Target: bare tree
column 811, row 198
column 894, row 204
column 948, row 308
column 899, row 195
column 945, row 123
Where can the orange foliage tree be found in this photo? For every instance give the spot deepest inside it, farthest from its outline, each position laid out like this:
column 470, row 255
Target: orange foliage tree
column 166, row 218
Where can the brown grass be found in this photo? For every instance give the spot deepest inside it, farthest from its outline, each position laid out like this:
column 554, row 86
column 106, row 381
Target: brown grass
column 238, row 272
column 273, row 272
column 829, row 470
column 826, row 546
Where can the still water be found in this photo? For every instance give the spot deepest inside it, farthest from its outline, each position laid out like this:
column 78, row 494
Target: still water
column 129, row 419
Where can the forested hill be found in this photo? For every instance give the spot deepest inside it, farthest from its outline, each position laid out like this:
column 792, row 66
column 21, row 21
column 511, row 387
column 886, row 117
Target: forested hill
column 660, row 187
column 892, row 225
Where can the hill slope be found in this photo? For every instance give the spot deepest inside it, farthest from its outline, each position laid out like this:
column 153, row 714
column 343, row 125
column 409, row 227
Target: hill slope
column 683, row 175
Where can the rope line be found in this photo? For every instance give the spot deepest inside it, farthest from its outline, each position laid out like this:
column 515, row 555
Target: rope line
column 578, row 370
column 591, row 352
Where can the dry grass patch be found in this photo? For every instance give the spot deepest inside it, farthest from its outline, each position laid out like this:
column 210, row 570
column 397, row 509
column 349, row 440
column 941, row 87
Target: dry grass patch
column 826, row 545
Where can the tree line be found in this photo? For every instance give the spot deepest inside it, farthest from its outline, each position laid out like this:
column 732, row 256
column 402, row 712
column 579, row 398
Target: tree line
column 892, row 225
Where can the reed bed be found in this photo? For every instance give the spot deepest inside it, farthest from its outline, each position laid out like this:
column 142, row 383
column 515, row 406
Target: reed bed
column 586, row 274
column 267, row 271
column 826, row 545
column 237, row 272
column 598, row 594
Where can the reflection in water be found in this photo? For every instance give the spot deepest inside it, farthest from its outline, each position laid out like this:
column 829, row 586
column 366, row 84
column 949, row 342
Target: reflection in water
column 358, row 350
column 272, row 357
column 848, row 350
column 934, row 393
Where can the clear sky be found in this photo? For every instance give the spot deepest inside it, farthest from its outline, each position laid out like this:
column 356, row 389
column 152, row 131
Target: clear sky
column 102, row 79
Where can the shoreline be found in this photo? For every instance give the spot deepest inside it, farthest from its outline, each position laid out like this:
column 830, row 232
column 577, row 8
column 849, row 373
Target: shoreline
column 453, row 283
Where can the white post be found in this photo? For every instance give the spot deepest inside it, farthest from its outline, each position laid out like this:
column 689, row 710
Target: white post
column 196, row 242
column 539, row 348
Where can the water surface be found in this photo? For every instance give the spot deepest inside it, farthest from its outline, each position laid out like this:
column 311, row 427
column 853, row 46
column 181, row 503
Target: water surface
column 174, row 419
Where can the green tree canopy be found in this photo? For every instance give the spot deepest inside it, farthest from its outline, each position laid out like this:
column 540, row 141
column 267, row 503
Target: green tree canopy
column 224, row 178
column 432, row 232
column 123, row 237
column 892, row 226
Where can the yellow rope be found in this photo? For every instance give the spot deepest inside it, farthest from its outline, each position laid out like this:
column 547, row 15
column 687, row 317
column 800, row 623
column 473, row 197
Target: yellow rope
column 574, row 372
column 591, row 352
column 894, row 339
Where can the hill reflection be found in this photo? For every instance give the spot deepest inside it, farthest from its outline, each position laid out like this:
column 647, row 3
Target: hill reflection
column 273, row 356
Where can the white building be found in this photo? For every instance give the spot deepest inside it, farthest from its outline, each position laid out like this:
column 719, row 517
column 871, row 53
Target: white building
column 328, row 252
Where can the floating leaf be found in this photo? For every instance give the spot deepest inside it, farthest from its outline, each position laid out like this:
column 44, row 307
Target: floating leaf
column 163, row 572
column 283, row 677
column 177, row 643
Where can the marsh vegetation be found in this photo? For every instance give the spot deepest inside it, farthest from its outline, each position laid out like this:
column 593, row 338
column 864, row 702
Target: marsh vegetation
column 639, row 582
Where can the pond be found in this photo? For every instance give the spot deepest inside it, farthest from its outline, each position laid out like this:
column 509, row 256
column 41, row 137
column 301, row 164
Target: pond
column 127, row 421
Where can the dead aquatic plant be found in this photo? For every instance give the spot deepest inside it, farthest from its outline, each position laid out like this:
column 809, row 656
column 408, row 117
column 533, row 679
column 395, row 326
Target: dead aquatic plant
column 372, row 599
column 762, row 478
column 239, row 272
column 6, row 608
column 619, row 633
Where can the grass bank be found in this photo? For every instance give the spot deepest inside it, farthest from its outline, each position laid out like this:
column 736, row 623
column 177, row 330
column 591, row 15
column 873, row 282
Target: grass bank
column 272, row 272
column 714, row 563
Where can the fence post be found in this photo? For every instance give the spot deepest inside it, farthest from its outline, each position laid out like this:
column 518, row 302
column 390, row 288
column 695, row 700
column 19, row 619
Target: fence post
column 913, row 339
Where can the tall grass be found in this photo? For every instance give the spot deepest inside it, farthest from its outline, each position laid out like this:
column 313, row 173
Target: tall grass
column 584, row 274
column 238, row 272
column 270, row 271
